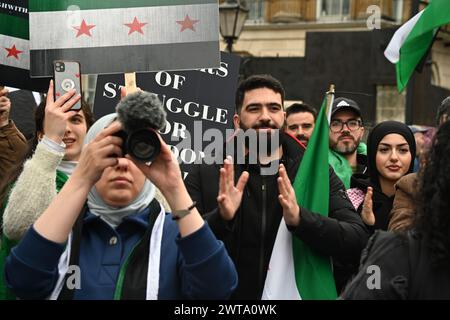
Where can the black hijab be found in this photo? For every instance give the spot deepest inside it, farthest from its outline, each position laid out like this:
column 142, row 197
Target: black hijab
column 376, row 135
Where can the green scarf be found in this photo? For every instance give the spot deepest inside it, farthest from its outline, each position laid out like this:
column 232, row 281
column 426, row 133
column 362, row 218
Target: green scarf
column 341, row 166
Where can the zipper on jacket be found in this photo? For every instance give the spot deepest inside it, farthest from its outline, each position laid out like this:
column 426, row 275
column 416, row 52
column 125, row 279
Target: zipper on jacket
column 263, row 230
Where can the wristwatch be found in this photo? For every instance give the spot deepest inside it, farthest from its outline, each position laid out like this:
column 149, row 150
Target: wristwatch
column 178, row 214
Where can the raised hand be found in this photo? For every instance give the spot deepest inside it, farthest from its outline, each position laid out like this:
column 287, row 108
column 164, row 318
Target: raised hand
column 100, row 153
column 291, row 209
column 230, row 195
column 58, row 112
column 164, row 171
column 367, row 210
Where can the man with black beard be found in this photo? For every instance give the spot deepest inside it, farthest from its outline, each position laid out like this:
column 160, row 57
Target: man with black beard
column 243, row 202
column 348, row 155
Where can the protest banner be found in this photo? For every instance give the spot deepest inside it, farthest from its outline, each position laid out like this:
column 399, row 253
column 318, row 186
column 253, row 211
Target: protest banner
column 195, row 101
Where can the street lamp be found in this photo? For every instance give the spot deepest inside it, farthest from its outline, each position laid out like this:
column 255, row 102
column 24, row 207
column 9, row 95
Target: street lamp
column 233, row 14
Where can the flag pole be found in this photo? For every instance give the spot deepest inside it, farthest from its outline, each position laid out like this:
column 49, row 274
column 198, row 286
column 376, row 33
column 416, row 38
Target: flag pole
column 330, row 100
column 130, row 82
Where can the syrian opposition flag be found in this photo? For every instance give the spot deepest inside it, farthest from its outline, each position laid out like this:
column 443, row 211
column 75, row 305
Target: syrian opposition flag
column 115, row 36
column 14, row 35
column 295, row 270
column 412, row 40
column 15, row 47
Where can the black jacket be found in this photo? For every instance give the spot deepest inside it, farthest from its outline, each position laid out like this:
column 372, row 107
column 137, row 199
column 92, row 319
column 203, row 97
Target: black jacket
column 398, row 267
column 250, row 236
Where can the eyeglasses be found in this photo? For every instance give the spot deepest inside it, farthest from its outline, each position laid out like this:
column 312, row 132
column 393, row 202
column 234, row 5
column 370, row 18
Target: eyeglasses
column 338, row 125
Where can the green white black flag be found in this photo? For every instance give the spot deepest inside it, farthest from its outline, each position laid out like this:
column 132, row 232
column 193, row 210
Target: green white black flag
column 15, row 46
column 114, row 36
column 413, row 39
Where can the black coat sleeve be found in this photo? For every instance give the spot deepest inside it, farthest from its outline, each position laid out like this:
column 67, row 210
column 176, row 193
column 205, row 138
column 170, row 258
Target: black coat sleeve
column 342, row 234
column 202, row 184
column 384, row 270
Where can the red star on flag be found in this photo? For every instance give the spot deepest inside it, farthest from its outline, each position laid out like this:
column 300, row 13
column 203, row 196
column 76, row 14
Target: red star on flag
column 135, row 26
column 84, row 29
column 187, row 23
column 13, row 52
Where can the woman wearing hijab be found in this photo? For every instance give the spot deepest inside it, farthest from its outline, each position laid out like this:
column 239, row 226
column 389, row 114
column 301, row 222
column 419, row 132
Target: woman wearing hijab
column 121, row 239
column 390, row 152
column 414, row 265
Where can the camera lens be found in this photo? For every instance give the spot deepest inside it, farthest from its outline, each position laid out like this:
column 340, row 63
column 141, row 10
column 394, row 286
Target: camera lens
column 143, row 149
column 144, row 145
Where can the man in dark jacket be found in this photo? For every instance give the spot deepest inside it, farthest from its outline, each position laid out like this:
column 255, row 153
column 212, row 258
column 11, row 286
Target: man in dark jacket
column 246, row 215
column 13, row 145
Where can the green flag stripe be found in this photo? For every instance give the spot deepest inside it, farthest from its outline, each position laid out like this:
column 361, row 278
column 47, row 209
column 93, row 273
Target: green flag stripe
column 121, row 278
column 63, row 5
column 14, row 26
column 313, row 273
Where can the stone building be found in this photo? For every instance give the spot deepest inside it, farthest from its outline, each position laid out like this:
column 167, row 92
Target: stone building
column 309, row 44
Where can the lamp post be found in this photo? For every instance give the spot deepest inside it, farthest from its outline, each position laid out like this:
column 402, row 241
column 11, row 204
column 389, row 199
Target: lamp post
column 233, row 14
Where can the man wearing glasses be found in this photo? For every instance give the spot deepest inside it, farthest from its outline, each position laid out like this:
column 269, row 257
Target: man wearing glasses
column 347, row 154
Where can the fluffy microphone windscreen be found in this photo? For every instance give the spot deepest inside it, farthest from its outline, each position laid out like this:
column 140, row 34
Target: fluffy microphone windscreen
column 141, row 109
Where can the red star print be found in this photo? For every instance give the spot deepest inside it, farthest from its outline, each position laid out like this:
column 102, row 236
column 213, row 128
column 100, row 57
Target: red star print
column 135, row 26
column 13, row 52
column 187, row 23
column 84, row 29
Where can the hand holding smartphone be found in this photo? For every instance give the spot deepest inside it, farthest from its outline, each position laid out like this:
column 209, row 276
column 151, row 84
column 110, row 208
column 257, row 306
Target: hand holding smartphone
column 67, row 76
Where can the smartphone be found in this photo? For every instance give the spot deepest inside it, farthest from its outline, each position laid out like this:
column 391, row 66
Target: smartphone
column 67, row 76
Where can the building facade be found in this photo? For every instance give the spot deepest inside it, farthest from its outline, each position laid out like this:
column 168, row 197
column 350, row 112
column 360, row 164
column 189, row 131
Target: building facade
column 310, row 44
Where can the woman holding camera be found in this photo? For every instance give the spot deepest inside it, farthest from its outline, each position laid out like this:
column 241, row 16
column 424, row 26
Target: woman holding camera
column 124, row 245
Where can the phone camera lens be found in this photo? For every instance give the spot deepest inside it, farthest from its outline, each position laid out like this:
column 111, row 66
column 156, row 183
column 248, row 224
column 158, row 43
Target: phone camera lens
column 67, row 84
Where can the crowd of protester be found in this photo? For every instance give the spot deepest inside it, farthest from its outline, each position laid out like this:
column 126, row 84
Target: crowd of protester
column 70, row 197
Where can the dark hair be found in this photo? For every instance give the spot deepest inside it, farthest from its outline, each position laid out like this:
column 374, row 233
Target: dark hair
column 39, row 118
column 301, row 107
column 255, row 82
column 444, row 108
column 433, row 215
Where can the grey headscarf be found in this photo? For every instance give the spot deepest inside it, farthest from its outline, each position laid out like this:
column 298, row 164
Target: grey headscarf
column 114, row 215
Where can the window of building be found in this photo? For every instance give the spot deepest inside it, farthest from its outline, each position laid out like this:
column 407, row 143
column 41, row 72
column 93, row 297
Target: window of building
column 335, row 10
column 256, row 13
